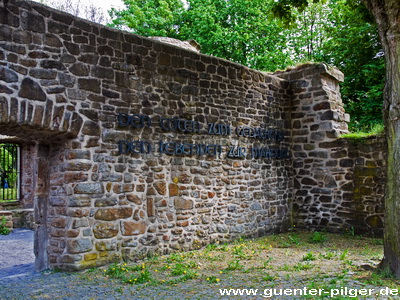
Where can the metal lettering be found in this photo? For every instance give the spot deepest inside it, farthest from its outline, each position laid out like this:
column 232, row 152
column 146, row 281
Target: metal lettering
column 237, row 152
column 172, row 148
column 135, row 121
column 136, row 147
column 219, row 129
column 278, row 153
column 181, row 125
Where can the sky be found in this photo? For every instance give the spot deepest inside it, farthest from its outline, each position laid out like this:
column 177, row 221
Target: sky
column 105, row 5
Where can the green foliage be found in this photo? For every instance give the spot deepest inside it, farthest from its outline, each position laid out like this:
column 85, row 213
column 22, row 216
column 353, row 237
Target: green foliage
column 3, row 229
column 310, row 256
column 129, row 274
column 341, row 33
column 343, row 255
column 238, row 30
column 303, row 266
column 376, row 129
column 317, row 237
column 353, row 46
column 148, row 18
column 328, row 255
column 268, row 277
column 8, row 170
column 234, row 265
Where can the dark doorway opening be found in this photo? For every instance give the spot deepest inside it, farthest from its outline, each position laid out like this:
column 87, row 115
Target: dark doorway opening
column 10, row 170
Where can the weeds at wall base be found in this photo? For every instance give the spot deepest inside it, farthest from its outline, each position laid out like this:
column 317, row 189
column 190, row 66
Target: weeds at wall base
column 331, row 261
column 4, row 230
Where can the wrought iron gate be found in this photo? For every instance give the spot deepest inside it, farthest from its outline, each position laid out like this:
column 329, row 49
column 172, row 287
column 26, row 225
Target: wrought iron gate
column 9, row 172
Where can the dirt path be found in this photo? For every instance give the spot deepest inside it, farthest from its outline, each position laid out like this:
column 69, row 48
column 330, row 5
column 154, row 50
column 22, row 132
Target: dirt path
column 16, row 254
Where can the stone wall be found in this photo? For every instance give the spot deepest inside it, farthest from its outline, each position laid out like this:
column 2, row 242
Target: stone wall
column 354, row 199
column 338, row 183
column 138, row 146
column 95, row 100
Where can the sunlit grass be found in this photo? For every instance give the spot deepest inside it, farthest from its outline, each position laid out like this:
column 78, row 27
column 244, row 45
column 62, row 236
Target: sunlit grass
column 376, row 129
column 283, row 256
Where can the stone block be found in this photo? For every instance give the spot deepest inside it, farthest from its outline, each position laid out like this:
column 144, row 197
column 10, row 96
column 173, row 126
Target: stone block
column 8, row 75
column 134, row 198
column 150, row 207
column 105, row 230
column 322, row 106
column 4, row 89
column 79, row 69
column 33, row 22
column 82, row 222
column 161, row 187
column 89, row 188
column 106, row 202
column 52, row 64
column 106, row 246
column 133, row 228
column 78, row 154
column 31, row 90
column 90, row 256
column 92, row 85
column 111, row 214
column 91, row 128
column 346, row 163
column 102, row 72
column 81, row 201
column 183, row 204
column 60, row 222
column 173, row 190
column 81, row 245
column 309, row 181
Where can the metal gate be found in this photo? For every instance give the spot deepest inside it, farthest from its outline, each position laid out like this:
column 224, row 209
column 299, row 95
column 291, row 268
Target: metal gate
column 9, row 172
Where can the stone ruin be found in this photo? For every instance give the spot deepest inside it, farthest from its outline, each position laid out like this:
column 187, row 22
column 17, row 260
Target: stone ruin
column 130, row 146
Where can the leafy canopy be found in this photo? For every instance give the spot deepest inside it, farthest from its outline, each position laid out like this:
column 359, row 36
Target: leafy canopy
column 338, row 32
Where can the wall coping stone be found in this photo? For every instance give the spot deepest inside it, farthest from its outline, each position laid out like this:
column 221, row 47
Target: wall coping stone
column 313, row 68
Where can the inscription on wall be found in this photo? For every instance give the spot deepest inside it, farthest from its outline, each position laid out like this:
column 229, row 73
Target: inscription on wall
column 139, row 121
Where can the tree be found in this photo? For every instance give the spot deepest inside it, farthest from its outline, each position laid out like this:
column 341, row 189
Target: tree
column 348, row 38
column 238, row 30
column 245, row 31
column 387, row 15
column 149, row 18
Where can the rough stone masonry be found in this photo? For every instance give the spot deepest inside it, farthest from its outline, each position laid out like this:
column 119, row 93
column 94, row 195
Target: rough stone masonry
column 139, row 147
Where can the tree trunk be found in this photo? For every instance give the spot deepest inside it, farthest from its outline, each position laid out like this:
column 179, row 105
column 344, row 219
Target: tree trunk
column 387, row 16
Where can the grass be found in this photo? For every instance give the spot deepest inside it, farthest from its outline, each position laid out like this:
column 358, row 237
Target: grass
column 310, row 258
column 376, row 129
column 4, row 230
column 317, row 237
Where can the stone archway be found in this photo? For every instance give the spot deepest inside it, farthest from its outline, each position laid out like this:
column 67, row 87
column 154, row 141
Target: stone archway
column 42, row 130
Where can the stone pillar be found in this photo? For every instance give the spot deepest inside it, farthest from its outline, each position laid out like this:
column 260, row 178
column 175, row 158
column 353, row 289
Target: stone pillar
column 317, row 117
column 41, row 209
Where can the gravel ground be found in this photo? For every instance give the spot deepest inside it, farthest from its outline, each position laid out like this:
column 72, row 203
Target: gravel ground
column 19, row 281
column 16, row 254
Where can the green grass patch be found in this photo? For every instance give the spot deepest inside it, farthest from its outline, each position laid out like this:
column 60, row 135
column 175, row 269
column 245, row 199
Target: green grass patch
column 3, row 229
column 376, row 129
column 317, row 237
column 318, row 256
